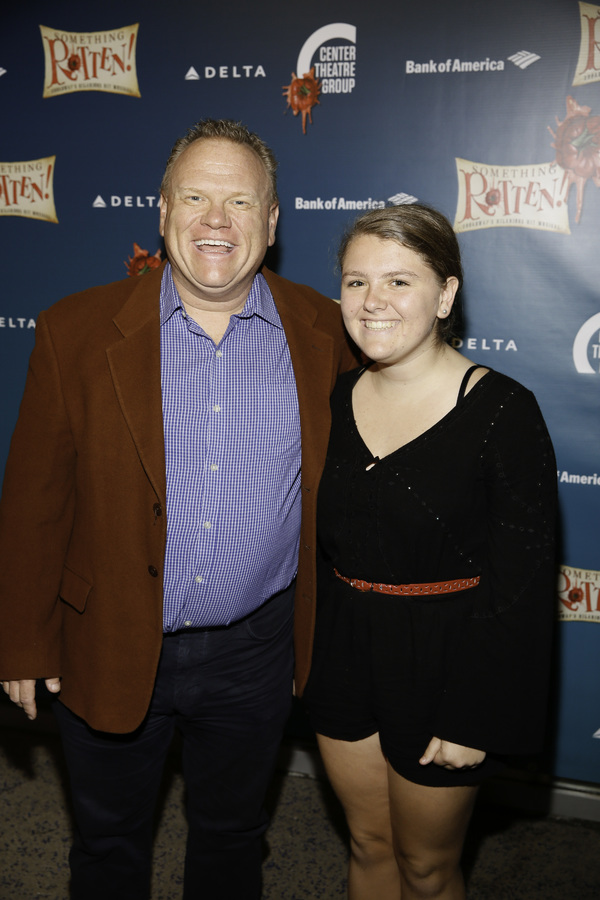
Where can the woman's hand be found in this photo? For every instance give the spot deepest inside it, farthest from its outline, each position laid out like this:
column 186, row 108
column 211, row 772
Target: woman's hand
column 451, row 756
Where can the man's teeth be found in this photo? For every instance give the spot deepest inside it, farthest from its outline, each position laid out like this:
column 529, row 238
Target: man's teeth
column 378, row 326
column 212, row 243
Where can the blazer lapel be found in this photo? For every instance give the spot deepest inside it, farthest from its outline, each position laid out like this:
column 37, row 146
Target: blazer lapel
column 135, row 367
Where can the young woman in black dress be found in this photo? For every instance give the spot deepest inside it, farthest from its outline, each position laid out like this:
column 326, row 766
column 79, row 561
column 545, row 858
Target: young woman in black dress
column 436, row 570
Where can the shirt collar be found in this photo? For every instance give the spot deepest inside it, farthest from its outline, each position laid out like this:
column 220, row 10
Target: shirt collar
column 259, row 302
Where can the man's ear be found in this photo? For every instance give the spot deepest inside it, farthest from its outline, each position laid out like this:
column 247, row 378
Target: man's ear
column 162, row 206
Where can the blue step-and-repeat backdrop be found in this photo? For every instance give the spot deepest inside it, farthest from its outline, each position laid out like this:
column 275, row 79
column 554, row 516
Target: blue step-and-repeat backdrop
column 489, row 111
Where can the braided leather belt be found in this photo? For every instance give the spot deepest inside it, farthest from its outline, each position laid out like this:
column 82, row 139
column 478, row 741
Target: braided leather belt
column 433, row 587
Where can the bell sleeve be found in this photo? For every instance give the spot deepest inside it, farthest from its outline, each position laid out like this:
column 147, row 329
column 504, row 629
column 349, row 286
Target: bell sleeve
column 496, row 691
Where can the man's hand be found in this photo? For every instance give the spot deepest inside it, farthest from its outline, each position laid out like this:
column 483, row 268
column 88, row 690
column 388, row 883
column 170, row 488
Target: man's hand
column 451, row 756
column 23, row 693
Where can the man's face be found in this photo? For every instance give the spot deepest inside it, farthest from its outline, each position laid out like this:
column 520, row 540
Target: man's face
column 217, row 220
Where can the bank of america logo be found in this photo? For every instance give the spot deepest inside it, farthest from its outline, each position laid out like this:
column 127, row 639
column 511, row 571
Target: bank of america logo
column 524, row 58
column 401, row 199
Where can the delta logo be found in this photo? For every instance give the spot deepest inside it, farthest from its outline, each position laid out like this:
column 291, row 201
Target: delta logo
column 228, row 71
column 126, row 201
column 326, row 65
column 90, row 61
column 27, row 189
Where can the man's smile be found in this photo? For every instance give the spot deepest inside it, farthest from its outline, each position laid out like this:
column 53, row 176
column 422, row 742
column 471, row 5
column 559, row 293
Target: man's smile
column 212, row 244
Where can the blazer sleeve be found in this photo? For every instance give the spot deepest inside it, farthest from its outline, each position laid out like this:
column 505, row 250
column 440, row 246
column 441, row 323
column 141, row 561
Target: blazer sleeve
column 36, row 518
column 495, row 694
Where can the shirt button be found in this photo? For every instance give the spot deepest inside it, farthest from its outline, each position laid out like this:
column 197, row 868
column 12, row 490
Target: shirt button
column 214, row 467
column 206, row 525
column 198, row 579
column 216, row 408
column 187, row 624
column 219, row 353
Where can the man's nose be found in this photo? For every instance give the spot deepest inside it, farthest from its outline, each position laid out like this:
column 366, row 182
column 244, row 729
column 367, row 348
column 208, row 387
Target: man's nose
column 216, row 216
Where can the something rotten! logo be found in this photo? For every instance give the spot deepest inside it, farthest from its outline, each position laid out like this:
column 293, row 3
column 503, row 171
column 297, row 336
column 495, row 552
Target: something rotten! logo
column 90, row 61
column 26, row 189
column 588, row 64
column 579, row 594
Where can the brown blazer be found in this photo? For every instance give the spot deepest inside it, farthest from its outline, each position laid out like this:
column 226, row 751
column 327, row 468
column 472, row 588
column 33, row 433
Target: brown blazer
column 83, row 513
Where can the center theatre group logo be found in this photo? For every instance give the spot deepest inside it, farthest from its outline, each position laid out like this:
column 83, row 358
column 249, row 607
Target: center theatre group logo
column 27, row 189
column 535, row 196
column 90, row 61
column 334, row 71
column 586, row 340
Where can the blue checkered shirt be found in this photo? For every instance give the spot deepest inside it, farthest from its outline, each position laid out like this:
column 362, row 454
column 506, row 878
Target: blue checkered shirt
column 232, row 445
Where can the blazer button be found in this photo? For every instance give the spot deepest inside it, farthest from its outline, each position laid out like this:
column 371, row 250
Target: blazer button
column 157, row 509
column 153, row 571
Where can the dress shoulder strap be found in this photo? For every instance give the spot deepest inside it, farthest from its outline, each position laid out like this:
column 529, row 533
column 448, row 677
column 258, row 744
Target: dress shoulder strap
column 465, row 381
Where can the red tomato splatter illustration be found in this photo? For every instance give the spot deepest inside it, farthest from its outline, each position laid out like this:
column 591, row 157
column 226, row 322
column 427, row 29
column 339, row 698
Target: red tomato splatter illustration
column 141, row 262
column 575, row 595
column 493, row 197
column 302, row 94
column 577, row 145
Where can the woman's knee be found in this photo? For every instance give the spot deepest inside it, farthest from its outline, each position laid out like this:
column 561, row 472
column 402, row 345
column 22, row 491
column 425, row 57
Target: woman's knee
column 427, row 876
column 370, row 848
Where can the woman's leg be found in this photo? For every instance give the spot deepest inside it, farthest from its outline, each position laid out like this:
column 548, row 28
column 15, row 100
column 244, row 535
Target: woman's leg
column 429, row 825
column 406, row 838
column 359, row 775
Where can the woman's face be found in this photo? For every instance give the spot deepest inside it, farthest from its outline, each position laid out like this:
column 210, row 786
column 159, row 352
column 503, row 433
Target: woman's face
column 392, row 300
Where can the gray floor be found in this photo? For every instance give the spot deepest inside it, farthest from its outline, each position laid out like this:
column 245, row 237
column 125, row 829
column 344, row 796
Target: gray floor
column 509, row 856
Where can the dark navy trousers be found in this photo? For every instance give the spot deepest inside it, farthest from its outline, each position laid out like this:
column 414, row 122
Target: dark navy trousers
column 228, row 691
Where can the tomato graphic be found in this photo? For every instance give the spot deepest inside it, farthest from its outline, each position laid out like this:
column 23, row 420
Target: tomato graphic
column 302, row 94
column 493, row 197
column 141, row 262
column 575, row 595
column 577, row 145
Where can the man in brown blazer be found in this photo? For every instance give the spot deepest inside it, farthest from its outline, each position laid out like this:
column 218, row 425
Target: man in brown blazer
column 153, row 517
